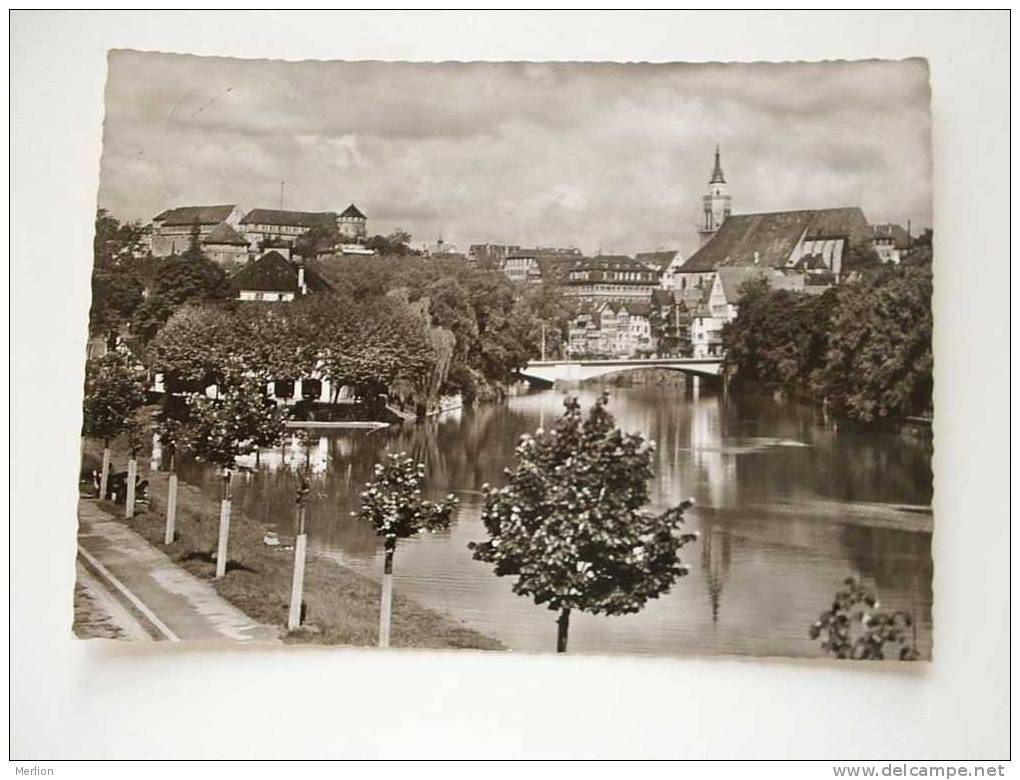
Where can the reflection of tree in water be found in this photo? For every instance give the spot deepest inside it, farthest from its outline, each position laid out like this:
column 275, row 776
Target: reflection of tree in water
column 715, row 563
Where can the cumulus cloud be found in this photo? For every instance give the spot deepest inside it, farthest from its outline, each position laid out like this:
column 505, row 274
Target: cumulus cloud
column 588, row 154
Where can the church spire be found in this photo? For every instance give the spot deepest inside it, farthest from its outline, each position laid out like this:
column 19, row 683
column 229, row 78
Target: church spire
column 717, row 174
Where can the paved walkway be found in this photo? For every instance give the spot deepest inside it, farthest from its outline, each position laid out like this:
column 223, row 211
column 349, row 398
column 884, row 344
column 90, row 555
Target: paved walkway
column 177, row 605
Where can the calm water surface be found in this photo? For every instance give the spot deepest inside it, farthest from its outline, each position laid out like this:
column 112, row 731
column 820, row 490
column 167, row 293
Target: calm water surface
column 787, row 508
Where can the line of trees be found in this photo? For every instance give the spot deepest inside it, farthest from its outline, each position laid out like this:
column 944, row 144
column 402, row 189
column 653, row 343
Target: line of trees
column 372, row 346
column 863, row 348
column 496, row 328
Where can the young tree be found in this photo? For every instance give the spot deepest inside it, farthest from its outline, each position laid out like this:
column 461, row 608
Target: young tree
column 136, row 429
column 221, row 430
column 392, row 503
column 114, row 389
column 172, row 435
column 854, row 627
column 570, row 523
column 302, row 489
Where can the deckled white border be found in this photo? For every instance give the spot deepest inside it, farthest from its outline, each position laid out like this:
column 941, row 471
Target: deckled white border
column 73, row 699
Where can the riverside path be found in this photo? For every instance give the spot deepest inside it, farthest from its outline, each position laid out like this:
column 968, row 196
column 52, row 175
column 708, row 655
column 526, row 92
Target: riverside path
column 171, row 603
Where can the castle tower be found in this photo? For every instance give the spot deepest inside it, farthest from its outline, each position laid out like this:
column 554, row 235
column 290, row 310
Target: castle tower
column 351, row 224
column 716, row 205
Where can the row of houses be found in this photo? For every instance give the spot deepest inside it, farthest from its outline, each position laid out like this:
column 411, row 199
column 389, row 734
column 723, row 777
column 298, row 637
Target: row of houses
column 230, row 236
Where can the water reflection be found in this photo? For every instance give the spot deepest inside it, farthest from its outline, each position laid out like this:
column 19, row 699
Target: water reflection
column 786, row 506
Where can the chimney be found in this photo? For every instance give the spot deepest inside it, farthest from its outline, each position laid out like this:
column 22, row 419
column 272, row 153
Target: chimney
column 301, row 279
column 756, row 257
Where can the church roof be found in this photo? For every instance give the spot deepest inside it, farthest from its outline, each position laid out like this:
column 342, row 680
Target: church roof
column 773, row 236
column 305, row 219
column 189, row 215
column 224, row 234
column 353, row 212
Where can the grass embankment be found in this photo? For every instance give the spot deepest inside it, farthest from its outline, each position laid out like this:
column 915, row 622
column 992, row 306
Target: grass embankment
column 342, row 605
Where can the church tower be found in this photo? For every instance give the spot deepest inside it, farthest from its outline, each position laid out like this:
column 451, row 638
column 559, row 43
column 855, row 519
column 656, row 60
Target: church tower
column 716, row 205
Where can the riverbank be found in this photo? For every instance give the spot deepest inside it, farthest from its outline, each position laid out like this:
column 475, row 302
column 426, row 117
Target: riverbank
column 342, row 607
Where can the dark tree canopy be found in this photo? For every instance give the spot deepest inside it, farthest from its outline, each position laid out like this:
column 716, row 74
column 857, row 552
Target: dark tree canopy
column 879, row 359
column 180, row 279
column 864, row 347
column 117, row 282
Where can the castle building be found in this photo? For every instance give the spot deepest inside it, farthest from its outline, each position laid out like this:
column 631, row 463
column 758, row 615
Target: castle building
column 716, row 204
column 172, row 229
column 261, row 225
column 352, row 224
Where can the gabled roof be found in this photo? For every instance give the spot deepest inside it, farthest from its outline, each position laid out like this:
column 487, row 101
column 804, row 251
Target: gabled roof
column 773, row 236
column 638, row 309
column 732, row 278
column 189, row 215
column 274, row 273
column 660, row 259
column 899, row 236
column 224, row 234
column 352, row 212
column 305, row 219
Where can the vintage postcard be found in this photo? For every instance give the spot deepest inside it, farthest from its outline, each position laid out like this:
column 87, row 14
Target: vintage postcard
column 606, row 358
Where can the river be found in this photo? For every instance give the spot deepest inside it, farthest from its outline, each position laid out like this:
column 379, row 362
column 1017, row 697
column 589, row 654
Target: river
column 786, row 506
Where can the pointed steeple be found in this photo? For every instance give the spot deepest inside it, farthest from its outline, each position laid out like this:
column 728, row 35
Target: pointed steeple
column 717, row 174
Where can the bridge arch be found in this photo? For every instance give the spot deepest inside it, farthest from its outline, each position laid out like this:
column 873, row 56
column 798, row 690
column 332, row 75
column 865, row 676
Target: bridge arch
column 551, row 371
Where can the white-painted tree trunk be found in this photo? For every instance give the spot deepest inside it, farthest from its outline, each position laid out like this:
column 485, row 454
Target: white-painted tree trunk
column 221, row 548
column 129, row 502
column 386, row 605
column 298, row 583
column 157, row 453
column 171, row 509
column 104, row 475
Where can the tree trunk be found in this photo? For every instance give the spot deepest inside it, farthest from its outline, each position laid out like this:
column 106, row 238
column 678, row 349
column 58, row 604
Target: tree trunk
column 386, row 606
column 104, row 475
column 562, row 627
column 298, row 582
column 132, row 475
column 221, row 548
column 171, row 503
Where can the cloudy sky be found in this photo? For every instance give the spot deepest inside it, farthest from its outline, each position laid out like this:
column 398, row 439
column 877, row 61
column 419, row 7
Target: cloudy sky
column 591, row 155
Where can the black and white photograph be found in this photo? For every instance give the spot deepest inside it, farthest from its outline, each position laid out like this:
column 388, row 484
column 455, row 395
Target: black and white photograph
column 565, row 357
